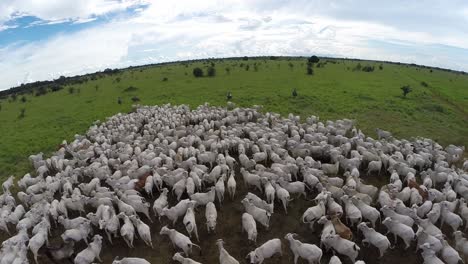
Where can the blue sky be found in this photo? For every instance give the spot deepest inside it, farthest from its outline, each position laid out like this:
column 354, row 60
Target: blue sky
column 43, row 39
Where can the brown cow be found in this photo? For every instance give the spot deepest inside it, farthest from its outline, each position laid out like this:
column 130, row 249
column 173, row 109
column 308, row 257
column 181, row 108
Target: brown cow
column 341, row 229
column 423, row 193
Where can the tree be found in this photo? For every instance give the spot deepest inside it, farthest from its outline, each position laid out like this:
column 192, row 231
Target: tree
column 211, row 71
column 294, row 93
column 406, row 90
column 314, row 59
column 245, row 58
column 198, row 72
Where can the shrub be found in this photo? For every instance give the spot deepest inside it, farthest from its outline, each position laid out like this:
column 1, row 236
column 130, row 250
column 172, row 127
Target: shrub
column 165, row 79
column 228, row 70
column 424, row 84
column 294, row 92
column 41, row 91
column 71, row 90
column 198, row 72
column 211, row 72
column 245, row 58
column 96, row 87
column 55, row 88
column 119, row 100
column 130, row 89
column 247, row 67
column 380, row 67
column 22, row 113
column 291, row 65
column 310, row 71
column 358, row 67
column 368, row 68
column 229, row 95
column 135, row 99
column 117, row 79
column 23, row 99
column 406, row 90
column 14, row 97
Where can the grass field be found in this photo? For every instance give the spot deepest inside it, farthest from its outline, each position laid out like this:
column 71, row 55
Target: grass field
column 374, row 99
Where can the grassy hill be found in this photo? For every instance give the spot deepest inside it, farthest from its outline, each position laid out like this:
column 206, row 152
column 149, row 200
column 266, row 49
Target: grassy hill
column 437, row 107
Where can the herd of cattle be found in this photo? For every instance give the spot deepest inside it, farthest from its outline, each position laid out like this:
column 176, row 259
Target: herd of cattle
column 97, row 188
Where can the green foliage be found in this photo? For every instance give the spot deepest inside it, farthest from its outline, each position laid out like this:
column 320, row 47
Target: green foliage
column 406, row 90
column 23, row 99
column 71, row 90
column 135, row 99
column 310, row 71
column 41, row 91
column 368, row 68
column 424, row 84
column 211, row 71
column 197, row 72
column 294, row 92
column 119, row 100
column 165, row 79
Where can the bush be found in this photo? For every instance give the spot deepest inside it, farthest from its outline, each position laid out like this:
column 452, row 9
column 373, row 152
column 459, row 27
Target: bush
column 22, row 113
column 165, row 79
column 23, row 99
column 71, row 90
column 406, row 90
column 130, row 89
column 310, row 71
column 119, row 100
column 96, row 87
column 211, row 72
column 41, row 91
column 198, row 72
column 245, row 58
column 135, row 99
column 424, row 84
column 228, row 70
column 368, row 68
column 294, row 92
column 380, row 67
column 55, row 88
column 117, row 79
column 247, row 67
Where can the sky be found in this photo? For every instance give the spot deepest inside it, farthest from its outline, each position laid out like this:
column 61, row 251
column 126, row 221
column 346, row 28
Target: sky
column 45, row 39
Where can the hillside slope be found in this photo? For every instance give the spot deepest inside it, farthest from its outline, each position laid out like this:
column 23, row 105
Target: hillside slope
column 335, row 90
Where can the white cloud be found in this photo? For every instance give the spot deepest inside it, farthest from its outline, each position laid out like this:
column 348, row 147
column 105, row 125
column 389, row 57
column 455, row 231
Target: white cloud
column 62, row 10
column 176, row 30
